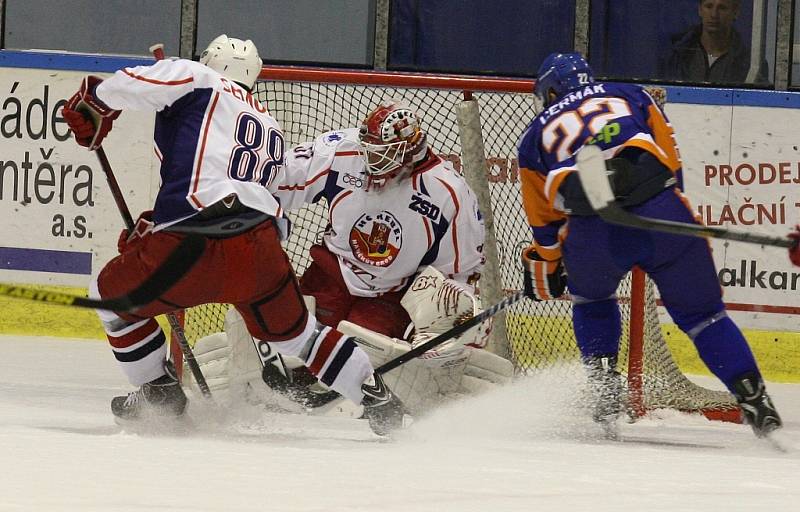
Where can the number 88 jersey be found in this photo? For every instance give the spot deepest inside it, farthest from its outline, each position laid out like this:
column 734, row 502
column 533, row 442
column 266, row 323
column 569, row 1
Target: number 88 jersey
column 213, row 138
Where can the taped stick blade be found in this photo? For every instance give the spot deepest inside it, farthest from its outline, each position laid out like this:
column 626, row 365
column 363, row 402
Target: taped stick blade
column 594, row 177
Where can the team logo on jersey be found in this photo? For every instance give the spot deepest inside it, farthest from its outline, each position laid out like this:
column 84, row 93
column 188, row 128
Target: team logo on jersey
column 376, row 239
column 332, row 138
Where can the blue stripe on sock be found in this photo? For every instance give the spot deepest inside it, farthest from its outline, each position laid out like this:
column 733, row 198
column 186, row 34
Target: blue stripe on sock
column 338, row 362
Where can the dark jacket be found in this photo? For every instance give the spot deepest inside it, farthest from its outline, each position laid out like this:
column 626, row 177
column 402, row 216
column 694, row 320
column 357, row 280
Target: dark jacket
column 688, row 61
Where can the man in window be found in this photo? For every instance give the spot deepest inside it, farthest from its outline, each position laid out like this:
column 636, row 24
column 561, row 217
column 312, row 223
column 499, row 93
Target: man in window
column 712, row 51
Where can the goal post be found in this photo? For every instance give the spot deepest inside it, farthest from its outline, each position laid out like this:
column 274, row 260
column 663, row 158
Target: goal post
column 475, row 123
column 473, row 157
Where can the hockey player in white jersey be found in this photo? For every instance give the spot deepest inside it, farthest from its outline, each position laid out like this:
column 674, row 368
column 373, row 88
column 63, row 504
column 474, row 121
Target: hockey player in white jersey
column 397, row 213
column 219, row 149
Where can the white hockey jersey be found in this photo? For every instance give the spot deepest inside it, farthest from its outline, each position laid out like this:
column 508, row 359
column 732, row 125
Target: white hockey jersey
column 383, row 237
column 213, row 137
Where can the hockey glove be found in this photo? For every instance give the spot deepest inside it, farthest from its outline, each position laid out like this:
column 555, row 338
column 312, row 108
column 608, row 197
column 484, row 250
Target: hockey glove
column 144, row 225
column 794, row 250
column 544, row 279
column 89, row 118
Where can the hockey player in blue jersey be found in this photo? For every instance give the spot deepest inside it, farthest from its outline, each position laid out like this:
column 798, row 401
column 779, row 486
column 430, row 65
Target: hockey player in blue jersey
column 573, row 247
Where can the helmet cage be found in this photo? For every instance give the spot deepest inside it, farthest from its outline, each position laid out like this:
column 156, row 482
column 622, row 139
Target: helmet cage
column 384, row 158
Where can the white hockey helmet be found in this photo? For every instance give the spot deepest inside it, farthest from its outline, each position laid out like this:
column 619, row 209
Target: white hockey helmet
column 234, row 59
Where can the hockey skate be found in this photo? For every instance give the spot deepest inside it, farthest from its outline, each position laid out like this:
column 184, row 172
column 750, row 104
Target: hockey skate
column 384, row 411
column 757, row 408
column 162, row 397
column 605, row 385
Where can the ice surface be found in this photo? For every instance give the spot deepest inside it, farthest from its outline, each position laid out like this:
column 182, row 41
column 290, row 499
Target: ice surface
column 522, row 448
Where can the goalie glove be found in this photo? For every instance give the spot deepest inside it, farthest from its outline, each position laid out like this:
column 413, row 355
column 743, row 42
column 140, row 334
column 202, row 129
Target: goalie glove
column 544, row 279
column 435, row 305
column 87, row 116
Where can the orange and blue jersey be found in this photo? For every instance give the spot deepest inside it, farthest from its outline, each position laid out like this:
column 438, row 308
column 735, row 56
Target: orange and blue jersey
column 612, row 116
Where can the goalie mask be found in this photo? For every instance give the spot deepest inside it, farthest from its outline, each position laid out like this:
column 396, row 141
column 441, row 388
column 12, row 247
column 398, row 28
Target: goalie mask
column 234, row 59
column 391, row 140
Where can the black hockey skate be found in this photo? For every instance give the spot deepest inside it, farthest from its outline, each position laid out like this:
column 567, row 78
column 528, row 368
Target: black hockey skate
column 383, row 410
column 757, row 408
column 162, row 397
column 605, row 385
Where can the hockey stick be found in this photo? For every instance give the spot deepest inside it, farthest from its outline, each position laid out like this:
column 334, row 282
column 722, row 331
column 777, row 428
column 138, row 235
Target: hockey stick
column 452, row 333
column 594, row 178
column 177, row 264
column 310, row 399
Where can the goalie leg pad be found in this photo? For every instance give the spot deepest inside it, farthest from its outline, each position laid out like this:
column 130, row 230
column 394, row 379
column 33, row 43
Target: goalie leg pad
column 229, row 361
column 489, row 367
column 419, row 384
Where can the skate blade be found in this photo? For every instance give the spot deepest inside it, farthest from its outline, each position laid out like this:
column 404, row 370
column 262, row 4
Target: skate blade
column 153, row 424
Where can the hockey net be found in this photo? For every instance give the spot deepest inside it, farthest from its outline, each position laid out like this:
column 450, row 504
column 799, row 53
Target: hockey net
column 307, row 102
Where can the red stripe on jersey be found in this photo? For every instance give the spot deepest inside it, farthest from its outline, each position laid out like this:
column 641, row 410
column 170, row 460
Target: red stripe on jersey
column 453, row 223
column 202, row 152
column 158, row 82
column 307, row 183
column 427, row 223
column 324, row 351
column 347, row 153
column 135, row 336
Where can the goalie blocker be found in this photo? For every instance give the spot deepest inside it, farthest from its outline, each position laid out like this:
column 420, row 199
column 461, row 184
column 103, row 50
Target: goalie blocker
column 232, row 361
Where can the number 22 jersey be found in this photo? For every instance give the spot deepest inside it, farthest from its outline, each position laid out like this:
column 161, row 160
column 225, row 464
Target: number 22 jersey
column 610, row 115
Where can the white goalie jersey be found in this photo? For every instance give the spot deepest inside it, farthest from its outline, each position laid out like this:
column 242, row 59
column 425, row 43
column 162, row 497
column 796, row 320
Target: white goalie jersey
column 383, row 237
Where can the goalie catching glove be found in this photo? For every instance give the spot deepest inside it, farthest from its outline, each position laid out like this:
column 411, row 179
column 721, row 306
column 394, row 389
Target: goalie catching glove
column 435, row 305
column 544, row 279
column 89, row 118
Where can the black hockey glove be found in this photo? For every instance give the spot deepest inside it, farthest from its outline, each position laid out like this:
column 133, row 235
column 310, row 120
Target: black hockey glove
column 544, row 279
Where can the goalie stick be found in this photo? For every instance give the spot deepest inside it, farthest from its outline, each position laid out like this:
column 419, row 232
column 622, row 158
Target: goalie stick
column 273, row 377
column 177, row 264
column 594, row 178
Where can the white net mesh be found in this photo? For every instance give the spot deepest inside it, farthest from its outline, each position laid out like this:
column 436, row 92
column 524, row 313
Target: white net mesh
column 540, row 334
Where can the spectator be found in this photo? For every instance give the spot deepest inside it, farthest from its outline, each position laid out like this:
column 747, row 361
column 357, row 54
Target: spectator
column 712, row 51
